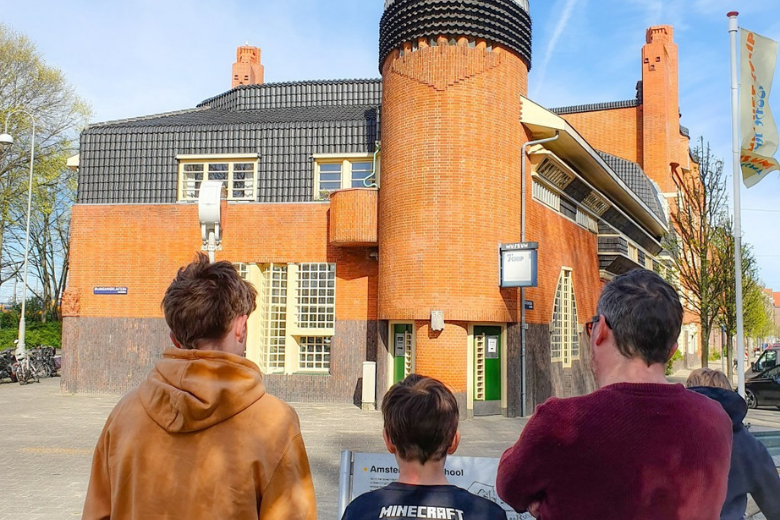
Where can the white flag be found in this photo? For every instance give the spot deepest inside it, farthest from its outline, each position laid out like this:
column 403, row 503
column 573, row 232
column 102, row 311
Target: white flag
column 758, row 56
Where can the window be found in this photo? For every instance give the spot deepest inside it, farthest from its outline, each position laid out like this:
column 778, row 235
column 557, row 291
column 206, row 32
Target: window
column 546, row 196
column 296, row 317
column 316, row 296
column 238, row 173
column 339, row 172
column 564, row 331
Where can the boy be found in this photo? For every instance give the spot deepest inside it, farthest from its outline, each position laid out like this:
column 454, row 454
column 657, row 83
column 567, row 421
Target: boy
column 421, row 429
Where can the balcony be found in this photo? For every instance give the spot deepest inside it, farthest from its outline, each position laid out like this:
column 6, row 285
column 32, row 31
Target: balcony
column 353, row 217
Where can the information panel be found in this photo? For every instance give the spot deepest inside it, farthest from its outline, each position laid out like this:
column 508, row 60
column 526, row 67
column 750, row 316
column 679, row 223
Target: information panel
column 364, row 472
column 518, row 264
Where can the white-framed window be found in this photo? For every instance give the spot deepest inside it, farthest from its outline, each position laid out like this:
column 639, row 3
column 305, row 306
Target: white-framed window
column 238, row 173
column 316, row 298
column 564, row 329
column 338, row 172
column 295, row 316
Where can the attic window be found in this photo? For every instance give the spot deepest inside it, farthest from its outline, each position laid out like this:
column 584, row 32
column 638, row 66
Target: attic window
column 238, row 173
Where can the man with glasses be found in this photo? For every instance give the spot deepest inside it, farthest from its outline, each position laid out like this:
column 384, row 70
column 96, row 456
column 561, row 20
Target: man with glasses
column 638, row 447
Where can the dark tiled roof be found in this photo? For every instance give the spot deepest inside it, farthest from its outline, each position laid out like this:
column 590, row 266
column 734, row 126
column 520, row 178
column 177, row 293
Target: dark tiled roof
column 134, row 161
column 630, row 103
column 505, row 22
column 636, row 180
column 206, row 117
column 299, row 94
column 684, row 131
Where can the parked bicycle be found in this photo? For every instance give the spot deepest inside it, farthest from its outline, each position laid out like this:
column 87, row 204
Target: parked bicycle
column 26, row 369
column 7, row 360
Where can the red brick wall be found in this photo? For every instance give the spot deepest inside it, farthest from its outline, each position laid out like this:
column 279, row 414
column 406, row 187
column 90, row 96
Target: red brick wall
column 443, row 354
column 141, row 247
column 353, row 217
column 451, row 140
column 618, row 131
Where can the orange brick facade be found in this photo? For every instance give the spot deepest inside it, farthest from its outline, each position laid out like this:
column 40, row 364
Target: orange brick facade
column 426, row 240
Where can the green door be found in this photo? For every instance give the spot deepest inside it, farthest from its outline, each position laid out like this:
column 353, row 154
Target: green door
column 402, row 351
column 487, row 363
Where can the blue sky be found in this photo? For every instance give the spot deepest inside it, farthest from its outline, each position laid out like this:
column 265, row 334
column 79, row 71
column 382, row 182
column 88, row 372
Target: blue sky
column 138, row 57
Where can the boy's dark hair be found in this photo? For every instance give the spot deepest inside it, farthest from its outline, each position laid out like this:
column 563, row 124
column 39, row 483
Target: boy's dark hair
column 204, row 299
column 644, row 313
column 421, row 418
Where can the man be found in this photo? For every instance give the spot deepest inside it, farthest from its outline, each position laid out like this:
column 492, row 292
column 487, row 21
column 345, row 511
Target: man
column 200, row 438
column 637, row 448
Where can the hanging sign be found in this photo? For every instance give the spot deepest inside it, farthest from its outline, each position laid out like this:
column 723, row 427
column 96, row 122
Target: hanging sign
column 518, row 264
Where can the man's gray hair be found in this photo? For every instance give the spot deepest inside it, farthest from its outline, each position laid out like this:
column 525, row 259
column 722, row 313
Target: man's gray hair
column 644, row 313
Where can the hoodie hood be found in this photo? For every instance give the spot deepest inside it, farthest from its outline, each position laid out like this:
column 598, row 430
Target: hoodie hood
column 191, row 390
column 731, row 401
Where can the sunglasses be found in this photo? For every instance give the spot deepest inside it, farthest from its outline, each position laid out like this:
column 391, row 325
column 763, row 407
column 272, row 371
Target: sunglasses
column 593, row 321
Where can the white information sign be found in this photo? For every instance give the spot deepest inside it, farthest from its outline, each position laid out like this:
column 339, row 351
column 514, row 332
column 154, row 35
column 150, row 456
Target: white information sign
column 400, row 345
column 518, row 265
column 370, row 471
column 492, row 345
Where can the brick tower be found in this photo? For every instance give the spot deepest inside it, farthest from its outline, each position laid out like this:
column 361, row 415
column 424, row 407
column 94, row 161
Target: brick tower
column 452, row 75
column 247, row 70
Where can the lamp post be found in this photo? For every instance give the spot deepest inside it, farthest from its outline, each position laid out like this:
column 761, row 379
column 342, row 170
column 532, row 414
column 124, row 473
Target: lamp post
column 7, row 140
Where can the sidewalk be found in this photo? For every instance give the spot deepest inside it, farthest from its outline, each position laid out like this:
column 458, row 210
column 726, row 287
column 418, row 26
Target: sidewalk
column 48, row 439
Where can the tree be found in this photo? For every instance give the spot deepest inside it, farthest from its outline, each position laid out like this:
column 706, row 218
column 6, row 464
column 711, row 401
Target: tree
column 695, row 216
column 28, row 83
column 752, row 301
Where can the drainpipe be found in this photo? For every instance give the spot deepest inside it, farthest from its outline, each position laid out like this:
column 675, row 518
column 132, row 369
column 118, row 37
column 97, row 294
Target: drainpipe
column 523, row 411
column 372, row 184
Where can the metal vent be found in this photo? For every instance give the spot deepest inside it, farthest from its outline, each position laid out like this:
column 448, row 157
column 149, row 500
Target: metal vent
column 554, row 174
column 595, row 203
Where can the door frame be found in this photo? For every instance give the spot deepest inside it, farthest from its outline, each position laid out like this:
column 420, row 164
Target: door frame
column 391, row 349
column 470, row 365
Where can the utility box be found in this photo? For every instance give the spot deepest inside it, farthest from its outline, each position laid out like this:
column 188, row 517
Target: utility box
column 369, row 385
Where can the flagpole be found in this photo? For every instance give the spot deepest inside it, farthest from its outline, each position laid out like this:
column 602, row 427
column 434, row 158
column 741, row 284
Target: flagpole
column 740, row 354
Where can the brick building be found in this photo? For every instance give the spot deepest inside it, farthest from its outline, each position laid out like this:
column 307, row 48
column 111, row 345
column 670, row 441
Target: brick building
column 360, row 208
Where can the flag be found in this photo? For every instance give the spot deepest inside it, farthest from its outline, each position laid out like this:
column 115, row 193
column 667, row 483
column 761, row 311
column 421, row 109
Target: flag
column 758, row 56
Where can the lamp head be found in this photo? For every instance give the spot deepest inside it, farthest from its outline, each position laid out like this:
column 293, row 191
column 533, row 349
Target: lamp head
column 6, row 140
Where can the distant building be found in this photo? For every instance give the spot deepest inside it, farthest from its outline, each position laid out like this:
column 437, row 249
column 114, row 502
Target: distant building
column 362, row 210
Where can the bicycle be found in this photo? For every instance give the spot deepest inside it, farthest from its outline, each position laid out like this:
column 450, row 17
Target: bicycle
column 26, row 370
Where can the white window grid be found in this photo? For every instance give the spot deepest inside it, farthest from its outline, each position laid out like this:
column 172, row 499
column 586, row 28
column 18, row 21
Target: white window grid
column 316, row 296
column 545, row 195
column 240, row 178
column 564, row 338
column 334, row 174
column 314, row 353
column 274, row 318
column 241, row 268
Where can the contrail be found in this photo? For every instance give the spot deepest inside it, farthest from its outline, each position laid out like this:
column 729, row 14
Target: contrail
column 557, row 32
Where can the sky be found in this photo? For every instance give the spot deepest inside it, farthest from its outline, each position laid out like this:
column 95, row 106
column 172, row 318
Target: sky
column 138, row 57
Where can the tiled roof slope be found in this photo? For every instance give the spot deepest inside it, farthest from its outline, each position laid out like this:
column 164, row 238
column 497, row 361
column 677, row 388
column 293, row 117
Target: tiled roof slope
column 574, row 109
column 636, row 180
column 299, row 94
column 134, row 160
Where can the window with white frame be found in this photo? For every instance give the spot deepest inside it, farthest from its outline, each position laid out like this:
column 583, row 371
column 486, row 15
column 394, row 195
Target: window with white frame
column 333, row 173
column 564, row 333
column 296, row 306
column 316, row 296
column 238, row 173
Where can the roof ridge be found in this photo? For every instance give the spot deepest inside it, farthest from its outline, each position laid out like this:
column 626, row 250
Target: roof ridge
column 289, row 84
column 145, row 118
column 593, row 107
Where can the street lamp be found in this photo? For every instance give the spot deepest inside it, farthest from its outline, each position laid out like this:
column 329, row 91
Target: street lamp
column 7, row 140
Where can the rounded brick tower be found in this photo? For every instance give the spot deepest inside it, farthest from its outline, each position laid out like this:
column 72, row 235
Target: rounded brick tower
column 453, row 72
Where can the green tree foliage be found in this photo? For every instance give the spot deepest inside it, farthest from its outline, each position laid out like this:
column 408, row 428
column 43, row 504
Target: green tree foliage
column 698, row 210
column 28, row 83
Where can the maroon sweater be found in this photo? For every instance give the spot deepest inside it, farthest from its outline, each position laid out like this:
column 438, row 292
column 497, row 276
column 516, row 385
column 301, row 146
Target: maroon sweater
column 625, row 452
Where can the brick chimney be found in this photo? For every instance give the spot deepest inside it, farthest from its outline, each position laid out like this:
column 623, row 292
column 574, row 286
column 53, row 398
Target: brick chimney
column 247, row 69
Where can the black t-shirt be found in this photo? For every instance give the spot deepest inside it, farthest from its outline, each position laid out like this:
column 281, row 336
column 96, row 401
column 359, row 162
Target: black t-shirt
column 408, row 501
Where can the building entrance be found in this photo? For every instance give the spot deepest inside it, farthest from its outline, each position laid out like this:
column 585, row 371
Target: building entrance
column 487, row 370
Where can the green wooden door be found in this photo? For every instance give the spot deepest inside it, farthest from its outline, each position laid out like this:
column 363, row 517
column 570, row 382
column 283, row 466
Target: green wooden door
column 487, row 363
column 402, row 351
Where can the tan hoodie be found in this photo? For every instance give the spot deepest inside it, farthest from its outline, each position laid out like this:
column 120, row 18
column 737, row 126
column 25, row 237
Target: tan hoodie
column 200, row 439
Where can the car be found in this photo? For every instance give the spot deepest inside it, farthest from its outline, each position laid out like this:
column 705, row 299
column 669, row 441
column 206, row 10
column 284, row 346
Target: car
column 768, row 359
column 764, row 389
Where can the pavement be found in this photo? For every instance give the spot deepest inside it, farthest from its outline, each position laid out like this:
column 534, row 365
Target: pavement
column 48, row 438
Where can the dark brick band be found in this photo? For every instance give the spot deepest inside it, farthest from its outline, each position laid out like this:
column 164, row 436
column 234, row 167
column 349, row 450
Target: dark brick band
column 503, row 22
